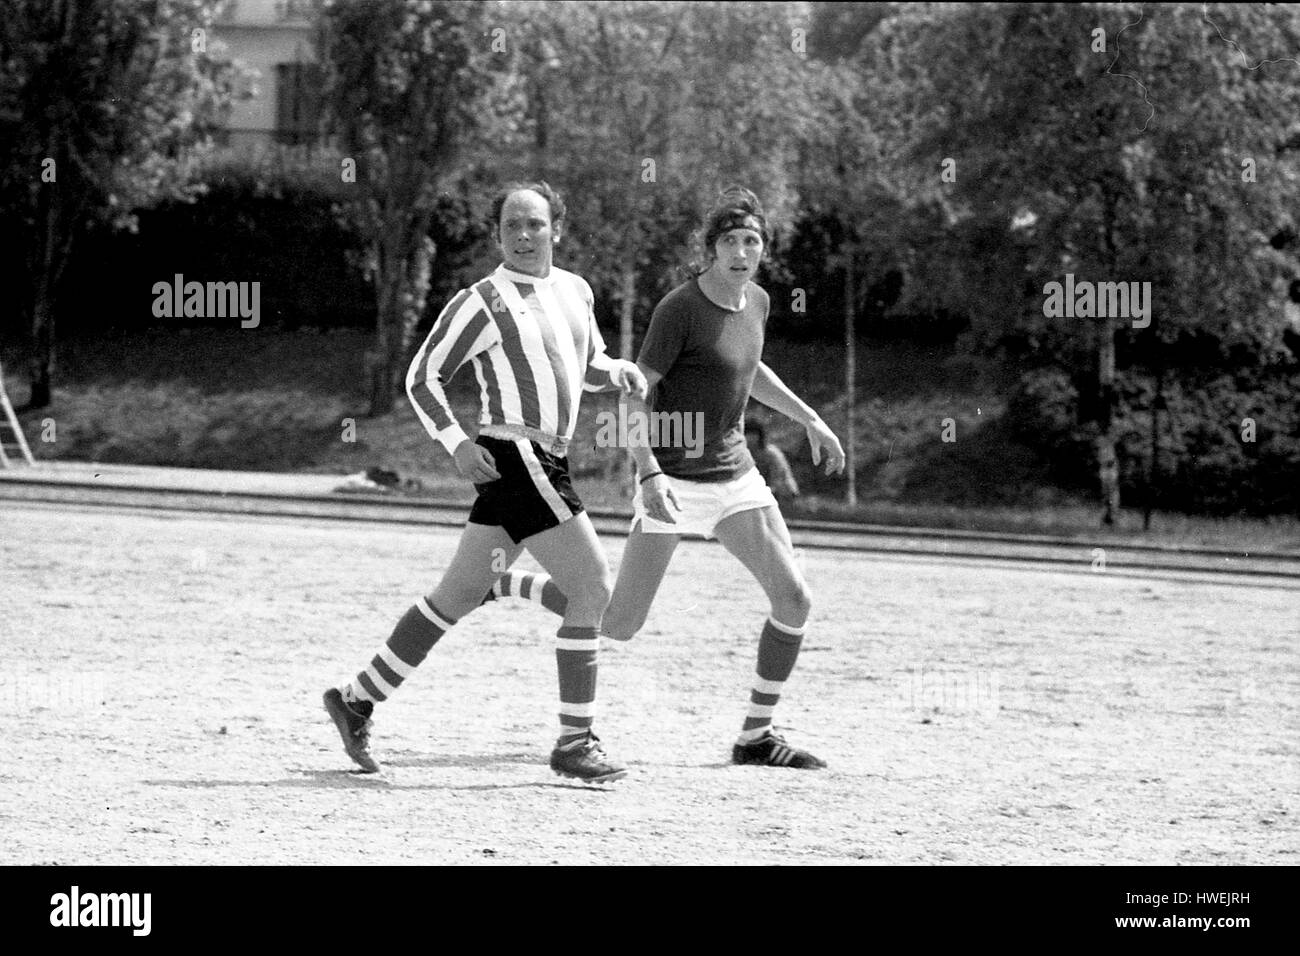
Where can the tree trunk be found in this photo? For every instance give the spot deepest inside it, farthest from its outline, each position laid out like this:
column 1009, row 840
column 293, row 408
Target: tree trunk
column 628, row 308
column 403, row 287
column 541, row 143
column 1153, row 474
column 379, row 366
column 379, row 371
column 1107, row 460
column 392, row 336
column 622, row 466
column 56, row 219
column 41, row 366
column 1107, row 456
column 53, row 252
column 850, row 382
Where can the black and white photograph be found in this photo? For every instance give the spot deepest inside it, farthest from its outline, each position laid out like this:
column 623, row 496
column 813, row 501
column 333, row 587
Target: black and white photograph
column 649, row 433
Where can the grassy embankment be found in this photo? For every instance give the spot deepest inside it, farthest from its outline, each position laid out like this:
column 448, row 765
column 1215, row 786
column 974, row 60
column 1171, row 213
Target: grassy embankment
column 277, row 401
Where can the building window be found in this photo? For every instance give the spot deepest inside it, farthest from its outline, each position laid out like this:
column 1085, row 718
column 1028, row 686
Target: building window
column 298, row 110
column 293, row 10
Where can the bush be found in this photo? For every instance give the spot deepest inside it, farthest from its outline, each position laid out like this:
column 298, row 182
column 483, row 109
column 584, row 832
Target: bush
column 273, row 221
column 1206, row 462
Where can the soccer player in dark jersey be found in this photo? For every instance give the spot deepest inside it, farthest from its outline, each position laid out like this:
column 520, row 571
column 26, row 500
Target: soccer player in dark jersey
column 530, row 333
column 702, row 354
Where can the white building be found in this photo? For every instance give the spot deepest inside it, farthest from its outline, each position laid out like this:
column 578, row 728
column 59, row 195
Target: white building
column 273, row 37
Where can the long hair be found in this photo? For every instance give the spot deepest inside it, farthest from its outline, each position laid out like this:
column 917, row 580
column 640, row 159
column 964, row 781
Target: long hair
column 732, row 207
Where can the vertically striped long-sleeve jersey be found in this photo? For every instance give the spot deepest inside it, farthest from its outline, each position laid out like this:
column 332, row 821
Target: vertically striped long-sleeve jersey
column 534, row 346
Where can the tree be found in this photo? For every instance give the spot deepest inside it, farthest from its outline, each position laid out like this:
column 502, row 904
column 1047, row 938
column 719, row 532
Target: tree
column 844, row 185
column 1132, row 173
column 408, row 88
column 642, row 112
column 105, row 105
column 650, row 109
column 852, row 203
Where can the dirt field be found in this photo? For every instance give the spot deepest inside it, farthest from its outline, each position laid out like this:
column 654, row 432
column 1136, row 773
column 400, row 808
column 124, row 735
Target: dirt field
column 162, row 678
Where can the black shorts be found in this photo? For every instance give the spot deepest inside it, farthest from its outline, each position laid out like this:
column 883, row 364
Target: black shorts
column 534, row 492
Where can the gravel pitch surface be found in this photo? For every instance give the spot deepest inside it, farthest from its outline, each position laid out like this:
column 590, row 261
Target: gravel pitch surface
column 163, row 672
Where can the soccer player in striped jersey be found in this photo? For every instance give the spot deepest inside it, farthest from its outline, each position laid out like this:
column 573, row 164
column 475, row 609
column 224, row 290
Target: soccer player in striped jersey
column 529, row 331
column 702, row 354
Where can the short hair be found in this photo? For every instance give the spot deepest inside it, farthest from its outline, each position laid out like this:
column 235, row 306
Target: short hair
column 553, row 199
column 732, row 204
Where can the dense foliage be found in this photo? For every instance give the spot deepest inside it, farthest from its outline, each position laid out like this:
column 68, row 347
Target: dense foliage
column 953, row 159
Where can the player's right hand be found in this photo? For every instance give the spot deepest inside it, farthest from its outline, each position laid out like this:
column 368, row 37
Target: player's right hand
column 475, row 463
column 630, row 379
column 656, row 495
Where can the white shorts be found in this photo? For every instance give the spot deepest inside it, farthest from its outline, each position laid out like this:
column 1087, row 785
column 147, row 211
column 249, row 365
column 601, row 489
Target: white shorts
column 705, row 503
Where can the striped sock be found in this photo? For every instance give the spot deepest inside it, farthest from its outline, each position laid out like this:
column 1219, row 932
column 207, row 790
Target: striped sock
column 778, row 649
column 575, row 659
column 416, row 633
column 538, row 588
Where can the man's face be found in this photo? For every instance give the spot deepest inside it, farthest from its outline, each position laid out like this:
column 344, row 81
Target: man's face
column 736, row 254
column 527, row 234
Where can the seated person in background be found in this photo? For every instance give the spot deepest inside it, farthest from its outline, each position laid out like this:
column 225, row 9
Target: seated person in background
column 772, row 465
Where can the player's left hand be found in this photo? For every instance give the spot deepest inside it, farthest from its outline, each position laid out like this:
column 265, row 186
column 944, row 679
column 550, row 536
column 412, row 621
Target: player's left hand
column 630, row 379
column 819, row 437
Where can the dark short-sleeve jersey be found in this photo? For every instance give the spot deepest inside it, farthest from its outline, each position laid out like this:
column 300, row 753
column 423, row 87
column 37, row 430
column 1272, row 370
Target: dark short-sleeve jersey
column 707, row 356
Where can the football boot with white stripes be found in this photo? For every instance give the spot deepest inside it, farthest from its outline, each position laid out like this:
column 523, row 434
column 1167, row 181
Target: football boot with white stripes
column 771, row 750
column 353, row 723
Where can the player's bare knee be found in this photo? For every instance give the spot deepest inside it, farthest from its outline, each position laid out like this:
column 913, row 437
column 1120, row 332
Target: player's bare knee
column 621, row 629
column 593, row 594
column 792, row 604
column 602, row 589
column 457, row 601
